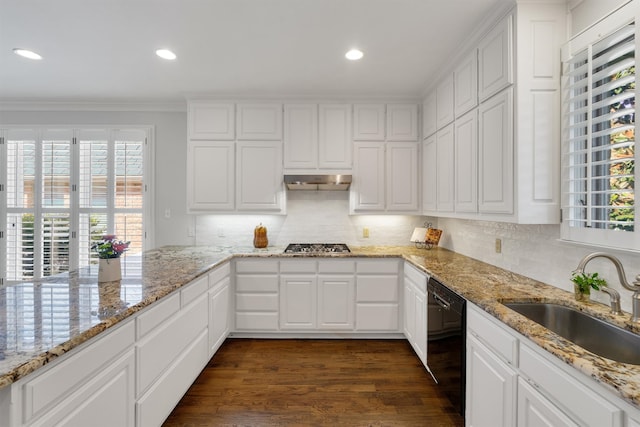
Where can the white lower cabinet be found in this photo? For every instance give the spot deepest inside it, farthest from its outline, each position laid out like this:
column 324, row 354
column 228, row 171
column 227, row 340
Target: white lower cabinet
column 336, row 296
column 415, row 310
column 219, row 303
column 298, row 302
column 491, row 388
column 256, row 295
column 378, row 296
column 511, row 381
column 534, row 410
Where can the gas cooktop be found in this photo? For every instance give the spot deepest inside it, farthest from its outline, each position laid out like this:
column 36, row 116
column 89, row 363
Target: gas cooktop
column 314, row 248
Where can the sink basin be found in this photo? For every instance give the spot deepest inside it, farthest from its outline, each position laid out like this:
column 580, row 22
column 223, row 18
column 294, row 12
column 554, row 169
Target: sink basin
column 590, row 333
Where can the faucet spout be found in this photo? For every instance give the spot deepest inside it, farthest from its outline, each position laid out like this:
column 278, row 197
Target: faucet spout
column 635, row 286
column 614, row 299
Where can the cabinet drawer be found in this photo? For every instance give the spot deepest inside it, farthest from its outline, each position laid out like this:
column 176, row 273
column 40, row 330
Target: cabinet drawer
column 416, row 277
column 377, row 266
column 585, row 405
column 257, row 302
column 256, row 266
column 157, row 314
column 377, row 289
column 336, row 266
column 194, row 290
column 158, row 351
column 298, row 266
column 65, row 377
column 257, row 321
column 219, row 273
column 377, row 317
column 257, row 283
column 493, row 335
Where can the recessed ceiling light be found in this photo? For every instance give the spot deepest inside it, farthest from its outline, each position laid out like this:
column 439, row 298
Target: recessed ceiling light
column 166, row 54
column 26, row 53
column 354, row 54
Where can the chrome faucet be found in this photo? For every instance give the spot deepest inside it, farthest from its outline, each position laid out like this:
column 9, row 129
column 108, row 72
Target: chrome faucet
column 614, row 299
column 635, row 286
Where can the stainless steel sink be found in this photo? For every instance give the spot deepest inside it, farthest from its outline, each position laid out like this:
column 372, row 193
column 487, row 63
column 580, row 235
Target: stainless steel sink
column 590, row 333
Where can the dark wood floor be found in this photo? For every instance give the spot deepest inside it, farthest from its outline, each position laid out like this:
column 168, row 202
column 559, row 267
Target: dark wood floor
column 314, row 383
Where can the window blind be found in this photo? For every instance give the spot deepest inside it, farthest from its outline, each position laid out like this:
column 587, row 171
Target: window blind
column 599, row 152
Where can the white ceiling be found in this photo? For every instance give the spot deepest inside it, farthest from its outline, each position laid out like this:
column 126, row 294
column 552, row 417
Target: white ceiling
column 104, row 49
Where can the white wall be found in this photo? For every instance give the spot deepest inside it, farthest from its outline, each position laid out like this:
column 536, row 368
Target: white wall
column 170, row 159
column 312, row 217
column 534, row 251
column 586, row 12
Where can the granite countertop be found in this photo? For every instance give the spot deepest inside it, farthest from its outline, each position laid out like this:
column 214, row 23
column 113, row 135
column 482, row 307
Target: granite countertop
column 49, row 318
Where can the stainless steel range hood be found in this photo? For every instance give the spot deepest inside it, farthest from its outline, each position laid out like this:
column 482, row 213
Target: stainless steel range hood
column 318, row 182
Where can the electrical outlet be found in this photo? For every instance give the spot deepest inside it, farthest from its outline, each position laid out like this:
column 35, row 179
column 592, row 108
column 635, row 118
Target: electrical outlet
column 167, row 213
column 365, row 232
column 191, row 232
column 498, row 246
column 220, row 232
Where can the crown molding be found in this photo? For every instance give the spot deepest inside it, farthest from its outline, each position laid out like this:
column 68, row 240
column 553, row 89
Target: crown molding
column 94, row 105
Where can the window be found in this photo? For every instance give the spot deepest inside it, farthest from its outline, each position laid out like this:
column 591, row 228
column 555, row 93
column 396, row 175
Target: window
column 598, row 152
column 65, row 188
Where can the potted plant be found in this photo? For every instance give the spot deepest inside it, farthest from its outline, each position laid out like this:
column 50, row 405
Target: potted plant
column 583, row 282
column 109, row 249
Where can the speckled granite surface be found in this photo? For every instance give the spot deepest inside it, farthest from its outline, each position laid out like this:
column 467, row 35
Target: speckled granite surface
column 47, row 319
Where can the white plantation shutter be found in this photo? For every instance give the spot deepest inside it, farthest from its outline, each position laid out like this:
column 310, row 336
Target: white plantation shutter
column 599, row 139
column 65, row 189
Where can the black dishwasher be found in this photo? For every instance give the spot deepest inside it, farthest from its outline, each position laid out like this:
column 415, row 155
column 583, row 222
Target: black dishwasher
column 446, row 336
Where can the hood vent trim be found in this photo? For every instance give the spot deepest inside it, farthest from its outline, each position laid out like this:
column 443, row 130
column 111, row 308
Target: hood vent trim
column 317, row 182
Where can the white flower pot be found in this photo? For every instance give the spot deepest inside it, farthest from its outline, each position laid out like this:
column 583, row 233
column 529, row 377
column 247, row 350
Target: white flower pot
column 109, row 270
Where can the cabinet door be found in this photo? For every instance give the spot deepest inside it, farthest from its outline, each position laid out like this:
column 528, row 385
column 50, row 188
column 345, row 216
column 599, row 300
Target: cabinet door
column 259, row 122
column 298, row 302
column 466, row 163
column 219, row 300
column 402, row 176
column 491, row 388
column 259, row 185
column 495, row 59
column 495, row 154
column 336, row 302
column 368, row 122
column 409, row 311
column 334, row 147
column 211, row 121
column 107, row 399
column 445, row 169
column 429, row 175
column 420, row 335
column 367, row 190
column 301, row 136
column 429, row 115
column 444, row 102
column 534, row 410
column 402, row 122
column 466, row 84
column 210, row 176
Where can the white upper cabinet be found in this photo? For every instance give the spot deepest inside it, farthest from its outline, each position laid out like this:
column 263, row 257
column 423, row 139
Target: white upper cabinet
column 210, row 175
column 429, row 126
column 259, row 185
column 495, row 59
column 402, row 122
column 258, row 122
column 446, row 169
column 211, row 121
column 466, row 163
column 334, row 151
column 495, row 140
column 444, row 102
column 429, row 175
column 301, row 136
column 402, row 176
column 367, row 190
column 368, row 122
column 466, row 84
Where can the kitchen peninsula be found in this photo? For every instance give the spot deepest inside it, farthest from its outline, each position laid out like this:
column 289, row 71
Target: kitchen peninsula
column 96, row 314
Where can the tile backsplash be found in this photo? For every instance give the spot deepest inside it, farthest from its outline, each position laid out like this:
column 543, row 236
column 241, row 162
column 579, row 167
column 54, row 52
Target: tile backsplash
column 531, row 250
column 312, row 217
